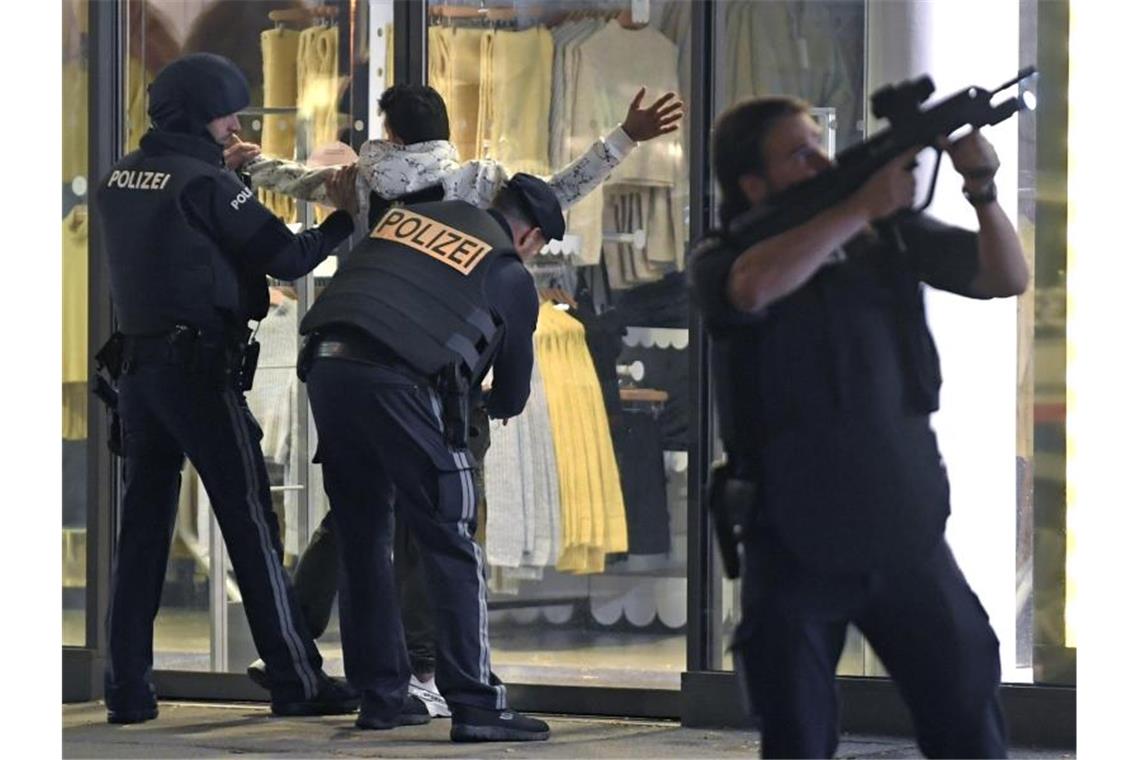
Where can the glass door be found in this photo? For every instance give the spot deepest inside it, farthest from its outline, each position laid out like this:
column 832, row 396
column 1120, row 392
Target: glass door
column 586, row 511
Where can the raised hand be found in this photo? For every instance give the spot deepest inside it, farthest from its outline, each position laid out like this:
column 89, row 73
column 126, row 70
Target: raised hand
column 660, row 118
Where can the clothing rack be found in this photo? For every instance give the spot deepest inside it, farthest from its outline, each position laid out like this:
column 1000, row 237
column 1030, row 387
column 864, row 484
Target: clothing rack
column 468, row 15
column 557, row 296
column 545, row 268
column 321, row 15
column 464, row 14
column 635, row 238
column 571, row 244
column 625, row 17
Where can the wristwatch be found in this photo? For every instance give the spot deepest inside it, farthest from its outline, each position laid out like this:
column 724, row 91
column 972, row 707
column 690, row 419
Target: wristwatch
column 988, row 194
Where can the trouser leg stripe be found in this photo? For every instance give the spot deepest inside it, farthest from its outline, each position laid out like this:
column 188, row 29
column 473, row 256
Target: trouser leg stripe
column 273, row 567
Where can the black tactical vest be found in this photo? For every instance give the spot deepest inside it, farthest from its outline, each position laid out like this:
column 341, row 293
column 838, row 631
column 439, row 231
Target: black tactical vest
column 416, row 286
column 166, row 271
column 824, row 401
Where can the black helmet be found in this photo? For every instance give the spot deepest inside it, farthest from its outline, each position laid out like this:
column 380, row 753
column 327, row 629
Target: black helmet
column 195, row 89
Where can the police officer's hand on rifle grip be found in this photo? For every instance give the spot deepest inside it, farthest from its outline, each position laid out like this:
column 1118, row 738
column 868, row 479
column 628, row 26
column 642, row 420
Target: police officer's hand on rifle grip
column 776, row 266
column 888, row 190
column 974, row 158
column 662, row 117
column 341, row 189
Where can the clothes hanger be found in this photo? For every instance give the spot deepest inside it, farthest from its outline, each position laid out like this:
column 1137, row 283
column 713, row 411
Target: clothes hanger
column 78, row 216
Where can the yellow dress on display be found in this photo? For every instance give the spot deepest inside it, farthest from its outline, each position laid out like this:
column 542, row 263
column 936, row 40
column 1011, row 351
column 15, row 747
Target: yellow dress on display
column 457, row 70
column 74, row 121
column 593, row 509
column 317, row 87
column 75, row 324
column 521, row 70
column 278, row 131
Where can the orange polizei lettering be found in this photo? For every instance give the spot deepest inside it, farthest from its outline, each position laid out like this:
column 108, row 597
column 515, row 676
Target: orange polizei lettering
column 447, row 245
column 452, row 238
column 404, row 231
column 460, row 250
column 423, row 232
column 391, row 218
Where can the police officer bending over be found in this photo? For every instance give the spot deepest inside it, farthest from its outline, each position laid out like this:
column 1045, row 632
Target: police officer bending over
column 433, row 297
column 826, row 375
column 189, row 248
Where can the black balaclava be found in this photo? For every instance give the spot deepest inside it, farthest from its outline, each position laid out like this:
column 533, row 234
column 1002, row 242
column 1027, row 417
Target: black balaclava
column 195, row 89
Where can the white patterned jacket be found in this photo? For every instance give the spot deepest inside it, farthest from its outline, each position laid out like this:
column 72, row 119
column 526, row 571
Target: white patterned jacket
column 392, row 170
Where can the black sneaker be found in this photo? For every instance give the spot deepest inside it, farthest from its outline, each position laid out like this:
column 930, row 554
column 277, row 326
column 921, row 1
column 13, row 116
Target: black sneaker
column 474, row 724
column 258, row 674
column 125, row 717
column 412, row 713
column 336, row 697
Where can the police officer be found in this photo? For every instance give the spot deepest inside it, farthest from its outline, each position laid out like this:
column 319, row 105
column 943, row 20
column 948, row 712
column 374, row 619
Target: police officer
column 189, row 248
column 433, row 297
column 826, row 375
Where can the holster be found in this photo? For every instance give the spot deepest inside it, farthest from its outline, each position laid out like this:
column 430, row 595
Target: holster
column 109, row 367
column 246, row 364
column 221, row 359
column 453, row 390
column 306, row 354
column 732, row 504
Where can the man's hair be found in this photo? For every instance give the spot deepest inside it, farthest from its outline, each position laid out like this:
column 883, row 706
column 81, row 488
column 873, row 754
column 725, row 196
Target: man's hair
column 415, row 113
column 738, row 145
column 508, row 203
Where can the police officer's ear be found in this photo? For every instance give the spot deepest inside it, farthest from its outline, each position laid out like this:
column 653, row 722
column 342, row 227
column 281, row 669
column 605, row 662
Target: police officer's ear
column 753, row 186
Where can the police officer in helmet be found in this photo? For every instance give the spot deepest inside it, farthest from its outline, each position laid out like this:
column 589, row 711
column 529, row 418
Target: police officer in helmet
column 189, row 249
column 435, row 296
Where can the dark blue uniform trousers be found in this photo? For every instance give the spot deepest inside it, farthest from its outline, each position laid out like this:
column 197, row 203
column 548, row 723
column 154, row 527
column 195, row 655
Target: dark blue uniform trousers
column 924, row 623
column 380, row 431
column 166, row 413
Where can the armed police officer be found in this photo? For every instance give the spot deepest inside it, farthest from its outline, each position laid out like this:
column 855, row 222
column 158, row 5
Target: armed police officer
column 435, row 296
column 826, row 375
column 189, row 248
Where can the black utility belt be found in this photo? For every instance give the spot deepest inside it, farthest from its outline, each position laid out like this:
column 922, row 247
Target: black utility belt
column 357, row 348
column 224, row 356
column 178, row 345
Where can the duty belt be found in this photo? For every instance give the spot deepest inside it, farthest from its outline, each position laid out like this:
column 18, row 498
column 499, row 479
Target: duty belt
column 364, row 350
column 177, row 345
column 228, row 357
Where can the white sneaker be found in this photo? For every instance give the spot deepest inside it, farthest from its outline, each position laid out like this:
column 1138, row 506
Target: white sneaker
column 428, row 693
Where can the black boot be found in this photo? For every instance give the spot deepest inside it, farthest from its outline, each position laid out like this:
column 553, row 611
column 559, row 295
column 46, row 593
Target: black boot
column 474, row 724
column 412, row 713
column 124, row 717
column 335, row 697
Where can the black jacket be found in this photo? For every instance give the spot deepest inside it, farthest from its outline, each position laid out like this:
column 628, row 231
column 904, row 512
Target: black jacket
column 440, row 285
column 824, row 398
column 188, row 244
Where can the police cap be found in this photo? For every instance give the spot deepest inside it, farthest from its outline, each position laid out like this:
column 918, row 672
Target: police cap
column 191, row 91
column 541, row 202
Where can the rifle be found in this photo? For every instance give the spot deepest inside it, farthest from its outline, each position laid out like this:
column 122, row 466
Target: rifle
column 909, row 127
